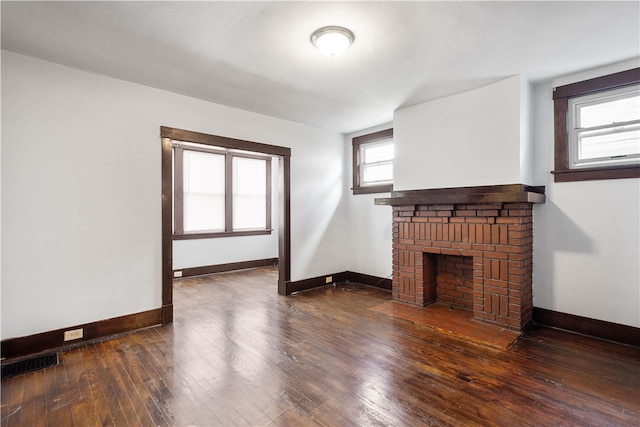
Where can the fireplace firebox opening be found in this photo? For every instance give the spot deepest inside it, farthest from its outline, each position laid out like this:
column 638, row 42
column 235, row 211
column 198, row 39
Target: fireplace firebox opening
column 448, row 279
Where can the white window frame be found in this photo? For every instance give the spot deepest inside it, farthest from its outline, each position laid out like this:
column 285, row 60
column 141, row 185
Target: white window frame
column 365, row 164
column 575, row 131
column 178, row 227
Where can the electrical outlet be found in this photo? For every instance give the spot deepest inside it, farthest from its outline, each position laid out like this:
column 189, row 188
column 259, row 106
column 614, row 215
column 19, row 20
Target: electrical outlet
column 328, row 279
column 177, row 273
column 73, row 334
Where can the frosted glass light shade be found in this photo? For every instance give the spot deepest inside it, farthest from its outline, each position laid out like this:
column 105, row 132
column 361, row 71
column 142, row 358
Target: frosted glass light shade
column 332, row 41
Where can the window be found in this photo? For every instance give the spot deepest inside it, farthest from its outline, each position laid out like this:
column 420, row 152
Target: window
column 597, row 128
column 219, row 192
column 373, row 162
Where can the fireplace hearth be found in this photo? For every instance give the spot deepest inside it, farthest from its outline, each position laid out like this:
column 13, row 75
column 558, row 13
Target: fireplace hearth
column 470, row 247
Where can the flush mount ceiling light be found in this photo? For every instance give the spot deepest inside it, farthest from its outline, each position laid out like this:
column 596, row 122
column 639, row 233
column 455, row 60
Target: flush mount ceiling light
column 332, row 40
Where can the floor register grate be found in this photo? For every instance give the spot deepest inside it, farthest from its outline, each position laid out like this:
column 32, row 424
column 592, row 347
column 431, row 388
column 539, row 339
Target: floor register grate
column 29, row 365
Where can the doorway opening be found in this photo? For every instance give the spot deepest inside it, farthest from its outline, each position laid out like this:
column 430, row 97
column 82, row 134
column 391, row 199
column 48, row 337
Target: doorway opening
column 283, row 154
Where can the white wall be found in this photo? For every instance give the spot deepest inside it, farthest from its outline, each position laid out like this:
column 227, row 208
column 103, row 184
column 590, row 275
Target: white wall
column 473, row 138
column 222, row 250
column 587, row 234
column 369, row 229
column 81, row 230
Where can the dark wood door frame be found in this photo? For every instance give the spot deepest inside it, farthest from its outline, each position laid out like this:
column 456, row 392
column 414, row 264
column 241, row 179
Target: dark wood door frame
column 168, row 134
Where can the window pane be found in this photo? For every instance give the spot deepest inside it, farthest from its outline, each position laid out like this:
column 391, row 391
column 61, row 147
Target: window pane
column 609, row 112
column 249, row 193
column 378, row 173
column 377, row 153
column 203, row 191
column 598, row 144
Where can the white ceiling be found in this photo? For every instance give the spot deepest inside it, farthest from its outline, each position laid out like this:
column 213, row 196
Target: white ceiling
column 256, row 56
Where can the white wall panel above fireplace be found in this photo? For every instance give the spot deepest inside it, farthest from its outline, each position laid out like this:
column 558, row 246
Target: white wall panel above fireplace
column 470, row 139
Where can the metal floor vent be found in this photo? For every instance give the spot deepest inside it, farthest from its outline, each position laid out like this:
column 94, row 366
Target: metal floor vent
column 28, row 365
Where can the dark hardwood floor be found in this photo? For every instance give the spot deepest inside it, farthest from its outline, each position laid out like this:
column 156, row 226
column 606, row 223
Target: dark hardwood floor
column 239, row 354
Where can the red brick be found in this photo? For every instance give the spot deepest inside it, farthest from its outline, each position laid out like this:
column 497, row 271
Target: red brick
column 461, row 245
column 508, row 220
column 503, row 234
column 411, row 228
column 401, row 219
column 445, row 232
column 497, row 205
column 509, row 249
column 476, row 220
column 419, row 219
column 427, row 232
column 442, row 244
column 487, row 304
column 516, row 271
column 423, row 243
column 515, row 279
column 495, row 303
column 454, row 252
column 486, row 233
column 517, row 205
column 495, row 282
column 517, row 234
column 495, row 269
column 407, row 275
column 441, row 207
column 508, row 321
column 495, row 290
column 503, row 270
column 404, row 208
column 455, row 231
column 520, row 212
column 487, row 267
column 514, row 295
column 488, row 248
column 496, row 255
column 495, row 234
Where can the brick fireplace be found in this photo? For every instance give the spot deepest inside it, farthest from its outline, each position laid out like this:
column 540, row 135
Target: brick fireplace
column 468, row 247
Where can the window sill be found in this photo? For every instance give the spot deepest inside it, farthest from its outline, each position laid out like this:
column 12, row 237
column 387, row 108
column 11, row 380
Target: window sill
column 387, row 188
column 211, row 235
column 590, row 174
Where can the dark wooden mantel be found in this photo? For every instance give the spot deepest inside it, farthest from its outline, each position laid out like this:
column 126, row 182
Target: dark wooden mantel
column 512, row 193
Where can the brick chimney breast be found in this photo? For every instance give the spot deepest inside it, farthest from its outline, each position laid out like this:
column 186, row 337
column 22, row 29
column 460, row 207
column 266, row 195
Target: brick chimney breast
column 469, row 247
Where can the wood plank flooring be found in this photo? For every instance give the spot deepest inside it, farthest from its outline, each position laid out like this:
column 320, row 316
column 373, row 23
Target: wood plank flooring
column 239, row 354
